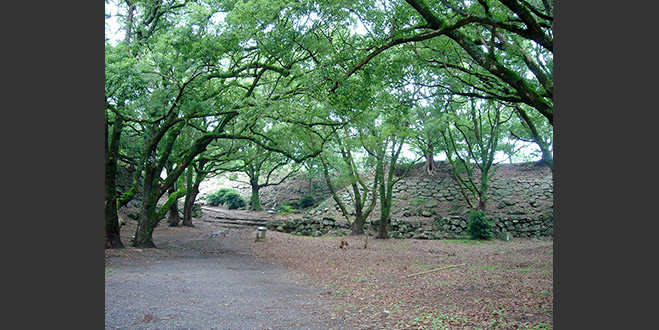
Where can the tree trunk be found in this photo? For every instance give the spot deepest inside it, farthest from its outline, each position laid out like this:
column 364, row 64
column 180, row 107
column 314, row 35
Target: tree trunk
column 429, row 166
column 147, row 220
column 191, row 191
column 173, row 218
column 255, row 202
column 482, row 203
column 385, row 204
column 385, row 212
column 385, row 220
column 143, row 235
column 188, row 207
column 544, row 148
column 146, row 224
column 387, row 186
column 358, row 225
column 112, row 228
column 332, row 189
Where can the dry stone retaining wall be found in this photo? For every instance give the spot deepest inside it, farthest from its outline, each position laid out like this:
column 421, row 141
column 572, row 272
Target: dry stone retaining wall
column 520, row 203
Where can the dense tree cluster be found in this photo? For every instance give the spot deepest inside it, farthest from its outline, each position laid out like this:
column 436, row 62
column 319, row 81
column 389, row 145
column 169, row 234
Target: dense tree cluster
column 202, row 86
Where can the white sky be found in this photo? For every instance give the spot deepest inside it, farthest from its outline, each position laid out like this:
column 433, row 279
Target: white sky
column 112, row 30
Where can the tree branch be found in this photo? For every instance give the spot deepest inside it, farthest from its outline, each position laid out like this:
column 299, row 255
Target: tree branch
column 398, row 41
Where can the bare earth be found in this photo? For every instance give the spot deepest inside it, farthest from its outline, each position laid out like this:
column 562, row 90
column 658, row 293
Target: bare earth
column 380, row 284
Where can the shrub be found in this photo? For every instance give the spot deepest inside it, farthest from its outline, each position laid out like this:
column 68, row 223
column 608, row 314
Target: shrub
column 228, row 197
column 479, row 227
column 285, row 209
column 233, row 200
column 307, row 201
column 217, row 198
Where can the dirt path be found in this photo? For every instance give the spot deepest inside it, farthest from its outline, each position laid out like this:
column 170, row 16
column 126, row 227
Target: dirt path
column 206, row 278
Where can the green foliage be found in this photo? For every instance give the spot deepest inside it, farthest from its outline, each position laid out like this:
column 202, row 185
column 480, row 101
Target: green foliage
column 285, row 209
column 306, row 201
column 234, row 200
column 226, row 196
column 479, row 227
column 217, row 198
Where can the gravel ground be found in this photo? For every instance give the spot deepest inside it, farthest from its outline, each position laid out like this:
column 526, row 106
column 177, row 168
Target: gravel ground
column 206, row 278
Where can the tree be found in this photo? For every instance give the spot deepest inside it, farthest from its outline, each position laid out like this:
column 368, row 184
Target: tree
column 119, row 59
column 385, row 173
column 349, row 174
column 384, row 140
column 472, row 138
column 504, row 49
column 258, row 164
column 313, row 171
column 427, row 127
column 219, row 78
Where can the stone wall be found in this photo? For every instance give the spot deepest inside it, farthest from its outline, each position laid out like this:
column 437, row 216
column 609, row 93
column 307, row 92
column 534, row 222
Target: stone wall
column 288, row 193
column 432, row 207
column 309, row 226
column 520, row 202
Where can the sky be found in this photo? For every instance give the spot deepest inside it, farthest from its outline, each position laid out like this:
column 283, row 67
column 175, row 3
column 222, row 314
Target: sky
column 111, row 26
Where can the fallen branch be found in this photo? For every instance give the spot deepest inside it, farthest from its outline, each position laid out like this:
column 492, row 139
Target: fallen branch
column 436, row 269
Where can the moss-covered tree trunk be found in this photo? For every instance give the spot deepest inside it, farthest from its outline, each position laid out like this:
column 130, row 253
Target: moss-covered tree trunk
column 188, row 209
column 173, row 218
column 254, row 200
column 112, row 228
column 147, row 220
column 188, row 205
column 151, row 213
column 153, row 187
